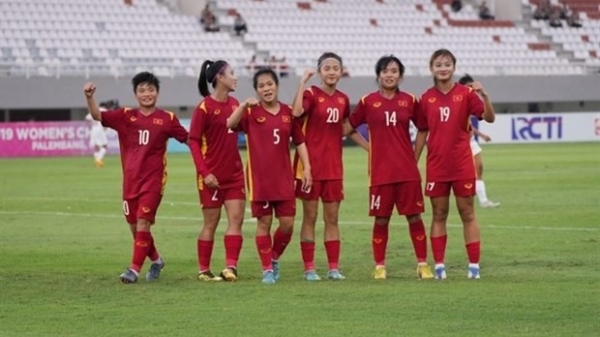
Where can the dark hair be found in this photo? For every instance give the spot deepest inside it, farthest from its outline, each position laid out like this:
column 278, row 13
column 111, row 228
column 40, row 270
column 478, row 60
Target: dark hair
column 466, row 79
column 264, row 71
column 442, row 52
column 145, row 77
column 385, row 61
column 326, row 56
column 208, row 74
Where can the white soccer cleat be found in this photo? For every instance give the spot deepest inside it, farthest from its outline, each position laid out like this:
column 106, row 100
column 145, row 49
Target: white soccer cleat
column 489, row 204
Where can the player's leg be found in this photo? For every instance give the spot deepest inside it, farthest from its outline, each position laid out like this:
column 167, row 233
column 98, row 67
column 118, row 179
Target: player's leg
column 480, row 184
column 235, row 206
column 285, row 211
column 466, row 209
column 310, row 209
column 212, row 200
column 332, row 195
column 263, row 211
column 129, row 207
column 101, row 153
column 439, row 194
column 381, row 206
column 409, row 202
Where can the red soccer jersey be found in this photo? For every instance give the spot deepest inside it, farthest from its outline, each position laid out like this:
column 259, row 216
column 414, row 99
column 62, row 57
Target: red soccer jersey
column 214, row 146
column 446, row 116
column 391, row 154
column 322, row 125
column 269, row 174
column 143, row 143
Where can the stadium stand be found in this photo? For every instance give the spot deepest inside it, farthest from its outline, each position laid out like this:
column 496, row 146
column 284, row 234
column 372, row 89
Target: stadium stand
column 64, row 37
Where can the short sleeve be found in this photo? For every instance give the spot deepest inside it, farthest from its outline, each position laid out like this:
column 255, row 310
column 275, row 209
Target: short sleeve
column 358, row 117
column 114, row 119
column 198, row 122
column 307, row 100
column 420, row 115
column 297, row 134
column 475, row 104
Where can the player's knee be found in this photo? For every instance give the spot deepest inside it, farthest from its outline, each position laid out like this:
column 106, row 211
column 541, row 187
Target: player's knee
column 382, row 221
column 143, row 225
column 467, row 213
column 286, row 225
column 331, row 220
column 413, row 219
column 309, row 218
column 440, row 214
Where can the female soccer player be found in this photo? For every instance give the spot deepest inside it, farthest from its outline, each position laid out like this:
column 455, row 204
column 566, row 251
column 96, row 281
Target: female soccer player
column 143, row 135
column 394, row 177
column 98, row 138
column 476, row 150
column 220, row 173
column 269, row 124
column 444, row 113
column 324, row 109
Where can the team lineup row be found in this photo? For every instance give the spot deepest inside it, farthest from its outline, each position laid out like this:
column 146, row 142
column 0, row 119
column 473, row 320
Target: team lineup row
column 315, row 122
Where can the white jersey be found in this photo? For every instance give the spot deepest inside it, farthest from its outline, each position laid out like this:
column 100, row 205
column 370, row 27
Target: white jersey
column 97, row 132
column 475, row 148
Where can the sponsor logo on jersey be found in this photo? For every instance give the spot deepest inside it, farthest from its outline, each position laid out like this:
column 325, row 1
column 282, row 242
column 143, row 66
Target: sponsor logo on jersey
column 420, row 203
column 157, row 121
column 469, row 186
column 377, row 241
column 376, row 104
column 457, row 98
column 261, row 119
column 321, row 99
column 132, row 118
column 146, row 209
column 217, row 111
column 265, row 251
column 403, row 103
column 431, row 99
column 420, row 237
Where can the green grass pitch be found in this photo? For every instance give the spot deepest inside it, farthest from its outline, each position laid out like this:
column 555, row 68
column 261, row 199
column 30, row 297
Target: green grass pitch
column 63, row 242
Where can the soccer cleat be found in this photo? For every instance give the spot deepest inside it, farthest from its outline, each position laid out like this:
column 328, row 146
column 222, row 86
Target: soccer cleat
column 275, row 265
column 380, row 273
column 335, row 275
column 268, row 277
column 229, row 274
column 473, row 272
column 489, row 204
column 424, row 272
column 99, row 163
column 155, row 269
column 440, row 272
column 311, row 275
column 128, row 277
column 208, row 276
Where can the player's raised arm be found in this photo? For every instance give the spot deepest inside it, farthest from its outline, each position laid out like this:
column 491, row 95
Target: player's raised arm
column 297, row 105
column 89, row 89
column 489, row 115
column 236, row 116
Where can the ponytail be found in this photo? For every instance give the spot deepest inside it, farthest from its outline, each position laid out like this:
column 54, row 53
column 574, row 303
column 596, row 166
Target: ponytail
column 202, row 80
column 208, row 74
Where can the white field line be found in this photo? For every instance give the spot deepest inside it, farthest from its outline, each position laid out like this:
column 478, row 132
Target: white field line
column 198, row 219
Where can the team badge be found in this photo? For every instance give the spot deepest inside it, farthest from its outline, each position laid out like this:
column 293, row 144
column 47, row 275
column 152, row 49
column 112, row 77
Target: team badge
column 431, row 99
column 403, row 103
column 341, row 100
column 157, row 121
column 376, row 104
column 286, row 119
column 457, row 98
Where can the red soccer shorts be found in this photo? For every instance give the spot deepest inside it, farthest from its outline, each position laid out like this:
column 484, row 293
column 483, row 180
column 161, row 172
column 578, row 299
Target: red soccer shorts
column 215, row 198
column 142, row 207
column 327, row 190
column 461, row 188
column 406, row 196
column 266, row 208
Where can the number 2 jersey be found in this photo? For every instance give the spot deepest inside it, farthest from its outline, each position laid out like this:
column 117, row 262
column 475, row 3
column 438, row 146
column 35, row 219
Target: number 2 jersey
column 143, row 145
column 447, row 117
column 391, row 154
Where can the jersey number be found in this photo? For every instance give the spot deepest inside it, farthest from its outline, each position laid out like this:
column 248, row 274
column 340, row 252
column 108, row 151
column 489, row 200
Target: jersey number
column 375, row 201
column 444, row 113
column 125, row 208
column 144, row 136
column 276, row 137
column 215, row 197
column 390, row 118
column 333, row 115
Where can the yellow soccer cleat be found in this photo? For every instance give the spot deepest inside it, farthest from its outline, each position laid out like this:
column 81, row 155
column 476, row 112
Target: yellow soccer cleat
column 424, row 272
column 208, row 276
column 380, row 273
column 229, row 274
column 98, row 163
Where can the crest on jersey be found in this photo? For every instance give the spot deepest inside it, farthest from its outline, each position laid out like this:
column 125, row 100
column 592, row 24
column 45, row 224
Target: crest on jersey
column 261, row 119
column 132, row 118
column 157, row 121
column 341, row 100
column 431, row 99
column 403, row 103
column 321, row 99
column 217, row 111
column 376, row 104
column 457, row 98
column 286, row 119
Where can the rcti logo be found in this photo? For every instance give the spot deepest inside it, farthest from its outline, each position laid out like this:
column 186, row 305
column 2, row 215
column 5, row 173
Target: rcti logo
column 537, row 128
